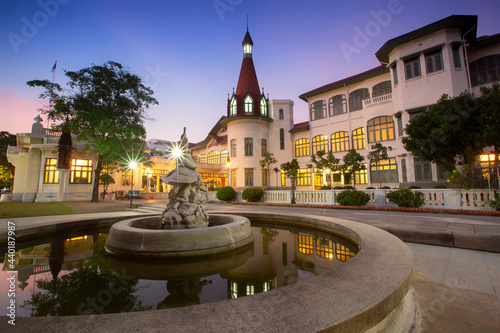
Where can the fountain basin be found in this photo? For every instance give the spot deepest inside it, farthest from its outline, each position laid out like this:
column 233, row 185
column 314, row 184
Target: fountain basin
column 142, row 238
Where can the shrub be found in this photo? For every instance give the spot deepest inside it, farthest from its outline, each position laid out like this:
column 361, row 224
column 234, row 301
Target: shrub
column 254, row 194
column 352, row 198
column 325, row 187
column 338, row 187
column 225, row 193
column 405, row 197
column 349, row 187
column 494, row 204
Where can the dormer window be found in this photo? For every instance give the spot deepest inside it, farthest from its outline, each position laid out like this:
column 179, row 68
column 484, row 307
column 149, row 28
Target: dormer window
column 263, row 107
column 248, row 104
column 234, row 108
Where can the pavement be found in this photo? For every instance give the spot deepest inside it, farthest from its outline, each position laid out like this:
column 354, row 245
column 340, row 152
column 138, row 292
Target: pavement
column 458, row 289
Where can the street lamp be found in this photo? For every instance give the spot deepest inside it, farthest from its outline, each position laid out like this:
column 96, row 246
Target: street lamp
column 228, row 166
column 132, row 165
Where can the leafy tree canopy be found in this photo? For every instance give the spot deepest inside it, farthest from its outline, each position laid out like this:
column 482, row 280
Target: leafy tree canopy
column 105, row 107
column 450, row 129
column 323, row 161
column 291, row 168
column 6, row 168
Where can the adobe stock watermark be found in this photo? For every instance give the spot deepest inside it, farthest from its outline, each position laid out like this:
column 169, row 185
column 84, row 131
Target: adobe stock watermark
column 364, row 35
column 222, row 6
column 155, row 76
column 30, row 26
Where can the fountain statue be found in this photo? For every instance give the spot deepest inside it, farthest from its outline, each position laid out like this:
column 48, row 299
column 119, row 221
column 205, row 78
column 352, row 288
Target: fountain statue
column 184, row 209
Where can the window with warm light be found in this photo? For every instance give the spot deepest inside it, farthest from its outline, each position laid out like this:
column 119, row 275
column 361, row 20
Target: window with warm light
column 234, row 289
column 380, row 129
column 234, row 107
column 302, row 147
column 81, row 171
column 224, row 156
column 340, row 141
column 250, row 289
column 213, row 157
column 319, row 142
column 304, row 177
column 247, row 48
column 126, row 178
column 263, row 107
column 361, row 176
column 324, row 248
column 203, row 158
column 51, row 174
column 343, row 253
column 358, row 138
column 305, row 244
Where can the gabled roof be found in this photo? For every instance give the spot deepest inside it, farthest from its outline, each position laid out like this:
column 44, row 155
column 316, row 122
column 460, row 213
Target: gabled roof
column 466, row 23
column 350, row 80
column 485, row 41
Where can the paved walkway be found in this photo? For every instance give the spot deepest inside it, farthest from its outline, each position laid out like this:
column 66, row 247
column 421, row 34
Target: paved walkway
column 458, row 289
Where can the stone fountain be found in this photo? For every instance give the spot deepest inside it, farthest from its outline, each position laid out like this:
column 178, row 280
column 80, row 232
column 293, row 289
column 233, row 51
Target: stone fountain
column 183, row 230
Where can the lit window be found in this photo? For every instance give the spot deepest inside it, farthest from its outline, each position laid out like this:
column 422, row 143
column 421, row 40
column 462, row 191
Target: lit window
column 248, row 147
column 358, row 138
column 434, row 62
column 250, row 289
column 223, row 157
column 203, row 158
column 318, row 110
column 234, row 107
column 380, row 129
column 412, row 68
column 340, row 141
column 304, row 177
column 81, row 171
column 324, row 248
column 361, row 176
column 126, row 178
column 343, row 253
column 302, row 148
column 263, row 107
column 305, row 244
column 356, row 99
column 248, row 104
column 385, row 171
column 213, row 157
column 337, row 105
column 319, row 142
column 51, row 174
column 234, row 289
column 247, row 48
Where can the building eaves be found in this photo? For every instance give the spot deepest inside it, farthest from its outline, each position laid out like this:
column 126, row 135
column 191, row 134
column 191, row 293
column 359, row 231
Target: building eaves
column 304, row 126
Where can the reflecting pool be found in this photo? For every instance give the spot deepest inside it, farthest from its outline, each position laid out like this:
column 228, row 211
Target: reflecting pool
column 71, row 274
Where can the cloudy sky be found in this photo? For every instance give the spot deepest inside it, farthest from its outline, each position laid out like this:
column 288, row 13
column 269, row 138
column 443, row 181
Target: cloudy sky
column 189, row 52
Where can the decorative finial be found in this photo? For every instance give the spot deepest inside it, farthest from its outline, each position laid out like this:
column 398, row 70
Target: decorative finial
column 247, row 22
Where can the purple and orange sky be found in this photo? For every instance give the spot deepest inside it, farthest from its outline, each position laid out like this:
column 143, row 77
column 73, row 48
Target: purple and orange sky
column 189, row 52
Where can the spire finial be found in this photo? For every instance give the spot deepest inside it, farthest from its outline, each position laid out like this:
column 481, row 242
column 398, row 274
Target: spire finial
column 247, row 22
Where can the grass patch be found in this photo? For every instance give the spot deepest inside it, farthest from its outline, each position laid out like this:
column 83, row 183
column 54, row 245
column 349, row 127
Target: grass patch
column 21, row 209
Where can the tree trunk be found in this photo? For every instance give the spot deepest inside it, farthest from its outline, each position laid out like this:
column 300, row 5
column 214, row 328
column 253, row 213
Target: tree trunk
column 97, row 174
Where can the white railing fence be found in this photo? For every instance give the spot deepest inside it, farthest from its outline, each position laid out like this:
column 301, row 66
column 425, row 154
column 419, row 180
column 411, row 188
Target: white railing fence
column 434, row 198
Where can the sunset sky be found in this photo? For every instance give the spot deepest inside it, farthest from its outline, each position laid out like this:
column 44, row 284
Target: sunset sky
column 189, row 52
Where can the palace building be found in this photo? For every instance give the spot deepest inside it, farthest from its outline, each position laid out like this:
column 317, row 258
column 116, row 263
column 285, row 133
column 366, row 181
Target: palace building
column 416, row 68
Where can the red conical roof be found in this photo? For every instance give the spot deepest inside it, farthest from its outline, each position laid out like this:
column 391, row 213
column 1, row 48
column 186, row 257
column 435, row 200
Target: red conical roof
column 247, row 81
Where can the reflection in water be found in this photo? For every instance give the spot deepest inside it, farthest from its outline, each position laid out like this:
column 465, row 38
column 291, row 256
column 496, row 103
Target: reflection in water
column 72, row 275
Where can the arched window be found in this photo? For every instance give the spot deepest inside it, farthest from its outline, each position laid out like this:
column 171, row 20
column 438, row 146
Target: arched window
column 320, row 142
column 305, row 242
column 381, row 88
column 302, row 147
column 248, row 147
column 318, row 110
column 340, row 141
column 281, row 115
column 223, row 156
column 263, row 107
column 248, row 102
column 380, row 129
column 337, row 105
column 485, row 70
column 213, row 157
column 324, row 248
column 282, row 139
column 356, row 99
column 358, row 138
column 234, row 108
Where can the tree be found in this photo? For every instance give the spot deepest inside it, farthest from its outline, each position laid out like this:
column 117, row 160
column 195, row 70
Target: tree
column 105, row 107
column 6, row 168
column 106, row 180
column 490, row 111
column 450, row 131
column 330, row 162
column 266, row 163
column 352, row 164
column 378, row 154
column 291, row 170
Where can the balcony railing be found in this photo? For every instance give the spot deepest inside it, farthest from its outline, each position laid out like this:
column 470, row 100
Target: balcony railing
column 377, row 100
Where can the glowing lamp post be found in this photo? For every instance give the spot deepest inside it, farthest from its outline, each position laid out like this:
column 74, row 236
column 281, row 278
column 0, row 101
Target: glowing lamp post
column 132, row 165
column 228, row 166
